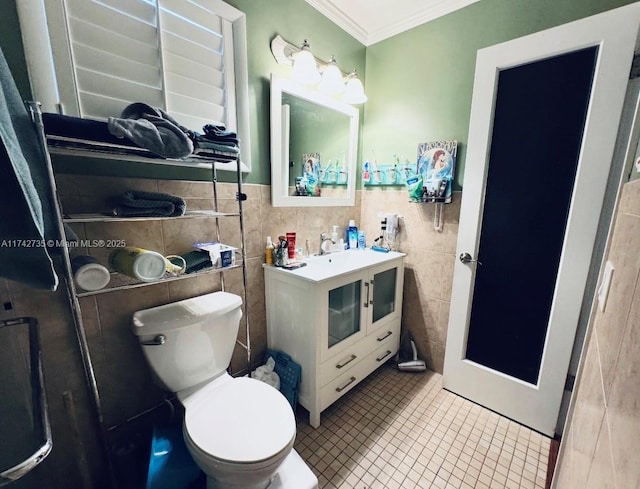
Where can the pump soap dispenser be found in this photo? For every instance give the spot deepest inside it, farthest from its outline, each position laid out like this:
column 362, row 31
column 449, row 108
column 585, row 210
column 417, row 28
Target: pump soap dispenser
column 334, row 235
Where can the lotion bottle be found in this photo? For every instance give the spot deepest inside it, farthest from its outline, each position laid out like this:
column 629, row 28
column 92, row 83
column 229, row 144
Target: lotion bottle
column 269, row 251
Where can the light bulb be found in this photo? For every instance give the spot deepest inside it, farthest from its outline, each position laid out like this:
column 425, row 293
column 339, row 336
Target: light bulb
column 305, row 70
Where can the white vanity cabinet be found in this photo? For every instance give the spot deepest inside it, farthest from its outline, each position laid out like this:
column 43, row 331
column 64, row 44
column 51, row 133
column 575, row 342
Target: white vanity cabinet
column 338, row 325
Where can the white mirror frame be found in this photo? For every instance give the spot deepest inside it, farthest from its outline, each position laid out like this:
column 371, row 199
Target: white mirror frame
column 280, row 146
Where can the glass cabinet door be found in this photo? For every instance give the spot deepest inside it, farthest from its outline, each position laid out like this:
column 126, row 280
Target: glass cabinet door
column 344, row 312
column 384, row 293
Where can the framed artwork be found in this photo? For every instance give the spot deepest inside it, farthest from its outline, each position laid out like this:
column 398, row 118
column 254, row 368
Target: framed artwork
column 436, row 165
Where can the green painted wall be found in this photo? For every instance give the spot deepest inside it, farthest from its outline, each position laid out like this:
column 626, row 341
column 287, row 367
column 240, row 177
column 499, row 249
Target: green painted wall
column 420, row 82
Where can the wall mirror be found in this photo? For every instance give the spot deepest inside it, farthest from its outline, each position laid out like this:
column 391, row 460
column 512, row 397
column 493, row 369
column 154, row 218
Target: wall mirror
column 314, row 142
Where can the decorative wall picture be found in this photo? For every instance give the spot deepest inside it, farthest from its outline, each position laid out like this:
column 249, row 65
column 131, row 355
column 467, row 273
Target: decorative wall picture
column 436, row 165
column 309, row 183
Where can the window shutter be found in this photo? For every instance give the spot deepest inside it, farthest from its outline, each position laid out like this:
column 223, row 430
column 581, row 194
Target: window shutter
column 166, row 53
column 116, row 55
column 193, row 48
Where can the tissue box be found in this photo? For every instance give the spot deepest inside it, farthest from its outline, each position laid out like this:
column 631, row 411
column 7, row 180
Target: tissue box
column 221, row 255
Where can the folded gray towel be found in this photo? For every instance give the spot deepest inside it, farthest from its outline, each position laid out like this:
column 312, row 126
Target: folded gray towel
column 136, row 203
column 152, row 129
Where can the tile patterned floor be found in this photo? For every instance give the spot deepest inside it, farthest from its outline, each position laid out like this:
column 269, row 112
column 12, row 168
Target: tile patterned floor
column 399, row 430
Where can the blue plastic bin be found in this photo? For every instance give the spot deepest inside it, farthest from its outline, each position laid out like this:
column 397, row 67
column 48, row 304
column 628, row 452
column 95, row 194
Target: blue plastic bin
column 170, row 463
column 289, row 372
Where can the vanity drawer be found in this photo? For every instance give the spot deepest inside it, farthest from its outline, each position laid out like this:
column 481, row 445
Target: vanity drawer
column 339, row 364
column 389, row 333
column 356, row 373
column 342, row 384
column 384, row 352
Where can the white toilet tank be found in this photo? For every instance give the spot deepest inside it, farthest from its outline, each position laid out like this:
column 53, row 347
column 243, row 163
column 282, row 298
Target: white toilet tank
column 189, row 341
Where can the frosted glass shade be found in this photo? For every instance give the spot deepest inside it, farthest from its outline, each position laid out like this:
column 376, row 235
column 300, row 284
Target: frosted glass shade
column 354, row 91
column 332, row 83
column 305, row 70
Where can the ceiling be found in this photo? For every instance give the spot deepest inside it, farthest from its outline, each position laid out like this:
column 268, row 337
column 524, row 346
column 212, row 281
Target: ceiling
column 371, row 21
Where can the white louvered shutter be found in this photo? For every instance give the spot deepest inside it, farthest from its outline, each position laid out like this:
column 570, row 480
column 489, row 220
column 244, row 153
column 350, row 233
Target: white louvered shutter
column 116, row 55
column 167, row 53
column 196, row 48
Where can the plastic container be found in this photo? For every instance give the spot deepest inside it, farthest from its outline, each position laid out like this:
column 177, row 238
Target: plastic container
column 89, row 274
column 145, row 265
column 268, row 252
column 222, row 255
column 289, row 372
column 362, row 240
column 352, row 235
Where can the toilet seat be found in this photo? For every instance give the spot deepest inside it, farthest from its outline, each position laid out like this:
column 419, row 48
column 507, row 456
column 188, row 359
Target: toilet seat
column 240, row 421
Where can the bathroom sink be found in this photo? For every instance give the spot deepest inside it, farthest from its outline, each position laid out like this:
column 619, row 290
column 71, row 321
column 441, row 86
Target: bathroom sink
column 325, row 267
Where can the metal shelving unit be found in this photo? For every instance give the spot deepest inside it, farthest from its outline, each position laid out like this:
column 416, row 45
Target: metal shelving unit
column 119, row 281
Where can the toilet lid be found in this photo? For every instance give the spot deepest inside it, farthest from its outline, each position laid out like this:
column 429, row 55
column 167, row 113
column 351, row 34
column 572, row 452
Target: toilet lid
column 243, row 421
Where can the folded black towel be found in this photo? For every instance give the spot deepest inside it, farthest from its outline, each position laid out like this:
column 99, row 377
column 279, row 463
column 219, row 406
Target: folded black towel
column 196, row 260
column 219, row 134
column 218, row 131
column 136, row 203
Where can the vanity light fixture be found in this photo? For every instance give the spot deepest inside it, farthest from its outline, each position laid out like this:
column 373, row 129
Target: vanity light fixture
column 354, row 91
column 309, row 70
column 305, row 69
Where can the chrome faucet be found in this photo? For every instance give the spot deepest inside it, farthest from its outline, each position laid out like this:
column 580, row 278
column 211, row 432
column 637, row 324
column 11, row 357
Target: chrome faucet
column 324, row 239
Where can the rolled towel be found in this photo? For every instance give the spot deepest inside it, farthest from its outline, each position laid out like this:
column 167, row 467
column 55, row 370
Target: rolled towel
column 137, row 203
column 196, row 260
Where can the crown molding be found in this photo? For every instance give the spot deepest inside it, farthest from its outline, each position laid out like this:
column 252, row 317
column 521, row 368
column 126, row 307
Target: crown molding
column 340, row 18
column 368, row 36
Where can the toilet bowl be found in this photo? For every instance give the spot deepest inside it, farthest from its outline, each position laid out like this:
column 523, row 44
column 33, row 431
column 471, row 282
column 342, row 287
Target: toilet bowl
column 239, row 431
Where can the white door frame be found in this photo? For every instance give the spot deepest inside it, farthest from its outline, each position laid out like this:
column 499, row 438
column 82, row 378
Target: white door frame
column 615, row 33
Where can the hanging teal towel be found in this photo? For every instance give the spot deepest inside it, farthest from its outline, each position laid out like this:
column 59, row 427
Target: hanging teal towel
column 26, row 214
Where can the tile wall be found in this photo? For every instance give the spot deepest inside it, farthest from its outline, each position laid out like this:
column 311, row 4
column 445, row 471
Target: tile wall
column 428, row 265
column 602, row 438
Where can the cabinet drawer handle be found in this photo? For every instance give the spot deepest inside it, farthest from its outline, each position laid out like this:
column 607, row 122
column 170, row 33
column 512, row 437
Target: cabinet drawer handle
column 389, row 333
column 351, row 381
column 366, row 301
column 372, row 294
column 379, row 359
column 340, row 365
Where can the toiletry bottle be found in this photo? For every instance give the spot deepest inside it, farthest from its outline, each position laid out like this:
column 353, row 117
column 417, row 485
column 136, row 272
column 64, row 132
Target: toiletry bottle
column 334, row 235
column 352, row 235
column 269, row 251
column 362, row 241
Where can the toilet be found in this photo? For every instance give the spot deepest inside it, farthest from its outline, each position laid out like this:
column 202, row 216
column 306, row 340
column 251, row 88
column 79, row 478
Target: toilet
column 239, row 431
